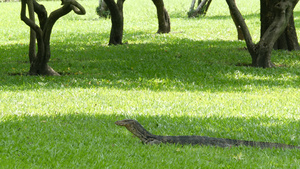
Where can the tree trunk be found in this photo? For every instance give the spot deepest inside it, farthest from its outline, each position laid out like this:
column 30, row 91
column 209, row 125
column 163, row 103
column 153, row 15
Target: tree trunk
column 39, row 61
column 32, row 41
column 164, row 23
column 261, row 52
column 102, row 10
column 238, row 27
column 193, row 5
column 201, row 9
column 288, row 40
column 206, row 7
column 117, row 20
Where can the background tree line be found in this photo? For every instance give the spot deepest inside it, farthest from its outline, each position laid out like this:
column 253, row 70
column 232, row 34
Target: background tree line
column 277, row 27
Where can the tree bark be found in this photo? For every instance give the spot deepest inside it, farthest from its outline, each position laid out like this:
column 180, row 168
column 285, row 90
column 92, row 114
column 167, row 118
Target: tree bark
column 164, row 23
column 261, row 52
column 201, row 9
column 283, row 11
column 288, row 40
column 117, row 20
column 102, row 10
column 207, row 6
column 193, row 5
column 39, row 61
column 32, row 41
column 238, row 27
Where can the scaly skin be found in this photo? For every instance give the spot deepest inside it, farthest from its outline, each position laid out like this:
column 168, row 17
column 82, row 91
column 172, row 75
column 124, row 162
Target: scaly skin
column 146, row 137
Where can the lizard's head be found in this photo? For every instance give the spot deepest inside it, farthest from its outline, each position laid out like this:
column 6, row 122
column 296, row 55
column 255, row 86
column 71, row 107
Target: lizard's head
column 136, row 128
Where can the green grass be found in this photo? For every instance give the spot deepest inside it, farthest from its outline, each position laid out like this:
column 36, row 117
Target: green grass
column 182, row 83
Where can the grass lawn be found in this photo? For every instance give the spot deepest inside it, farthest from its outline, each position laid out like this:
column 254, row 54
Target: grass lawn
column 182, row 83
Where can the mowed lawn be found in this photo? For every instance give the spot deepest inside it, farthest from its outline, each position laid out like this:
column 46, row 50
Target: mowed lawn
column 187, row 82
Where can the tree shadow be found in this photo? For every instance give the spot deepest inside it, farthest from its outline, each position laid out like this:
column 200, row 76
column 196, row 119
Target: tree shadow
column 175, row 14
column 165, row 65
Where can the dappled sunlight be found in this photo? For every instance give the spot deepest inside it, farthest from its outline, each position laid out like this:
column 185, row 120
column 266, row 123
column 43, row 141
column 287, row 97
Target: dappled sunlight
column 194, row 66
column 283, row 79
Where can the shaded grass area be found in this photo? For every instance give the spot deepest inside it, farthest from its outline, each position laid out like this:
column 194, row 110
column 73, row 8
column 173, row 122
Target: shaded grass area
column 94, row 140
column 180, row 65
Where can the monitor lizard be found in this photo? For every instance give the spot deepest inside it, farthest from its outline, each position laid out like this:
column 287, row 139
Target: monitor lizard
column 146, row 137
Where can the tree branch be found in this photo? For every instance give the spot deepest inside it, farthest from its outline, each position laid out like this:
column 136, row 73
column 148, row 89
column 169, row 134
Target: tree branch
column 192, row 6
column 194, row 13
column 68, row 6
column 77, row 8
column 239, row 18
column 41, row 12
column 27, row 21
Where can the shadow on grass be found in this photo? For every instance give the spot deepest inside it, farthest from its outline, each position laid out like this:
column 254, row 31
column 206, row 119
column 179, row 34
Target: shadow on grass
column 87, row 136
column 81, row 140
column 170, row 64
column 175, row 14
